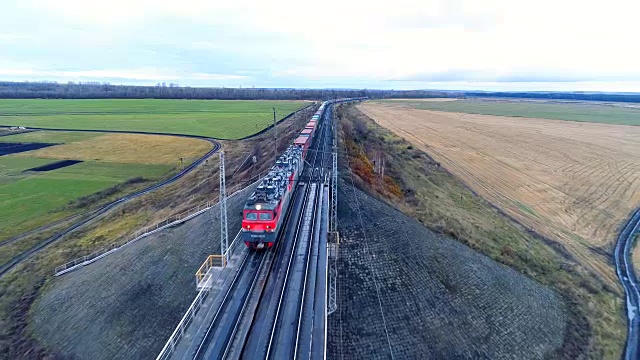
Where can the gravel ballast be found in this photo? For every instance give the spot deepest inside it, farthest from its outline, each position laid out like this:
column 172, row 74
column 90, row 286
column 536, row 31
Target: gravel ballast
column 406, row 292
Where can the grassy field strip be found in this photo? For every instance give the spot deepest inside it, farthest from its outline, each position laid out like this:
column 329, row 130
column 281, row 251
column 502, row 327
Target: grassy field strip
column 28, row 202
column 582, row 112
column 141, row 106
column 128, row 148
column 213, row 118
column 572, row 182
column 12, row 167
column 29, row 199
column 57, row 137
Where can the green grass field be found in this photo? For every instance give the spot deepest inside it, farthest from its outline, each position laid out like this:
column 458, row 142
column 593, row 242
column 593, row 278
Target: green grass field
column 583, row 112
column 57, row 137
column 222, row 119
column 30, row 202
column 32, row 199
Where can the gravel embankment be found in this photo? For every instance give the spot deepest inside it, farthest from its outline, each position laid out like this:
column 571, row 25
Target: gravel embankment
column 435, row 298
column 126, row 305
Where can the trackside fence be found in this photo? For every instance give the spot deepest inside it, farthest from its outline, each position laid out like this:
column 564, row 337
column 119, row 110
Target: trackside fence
column 144, row 232
column 177, row 334
column 203, row 284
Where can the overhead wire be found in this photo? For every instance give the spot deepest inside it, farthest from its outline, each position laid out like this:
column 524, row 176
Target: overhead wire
column 366, row 245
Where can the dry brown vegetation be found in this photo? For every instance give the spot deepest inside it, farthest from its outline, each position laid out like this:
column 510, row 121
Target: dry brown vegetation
column 425, row 100
column 439, row 200
column 572, row 182
column 128, row 148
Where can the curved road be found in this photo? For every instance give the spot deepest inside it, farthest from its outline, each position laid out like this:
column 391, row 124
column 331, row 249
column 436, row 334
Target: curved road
column 103, row 209
column 627, row 276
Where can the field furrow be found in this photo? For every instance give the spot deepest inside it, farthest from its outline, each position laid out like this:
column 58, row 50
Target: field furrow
column 572, row 182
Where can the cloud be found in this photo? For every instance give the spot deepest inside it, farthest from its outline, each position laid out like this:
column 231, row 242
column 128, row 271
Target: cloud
column 120, row 74
column 521, row 76
column 284, row 42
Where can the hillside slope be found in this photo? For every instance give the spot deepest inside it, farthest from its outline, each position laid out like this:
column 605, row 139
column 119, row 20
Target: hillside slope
column 406, row 290
column 126, row 305
column 390, row 169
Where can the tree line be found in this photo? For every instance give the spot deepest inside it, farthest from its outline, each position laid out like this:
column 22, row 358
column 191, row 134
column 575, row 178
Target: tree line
column 582, row 96
column 95, row 90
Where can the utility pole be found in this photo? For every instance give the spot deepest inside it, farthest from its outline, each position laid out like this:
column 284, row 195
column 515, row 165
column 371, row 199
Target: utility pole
column 333, row 224
column 275, row 134
column 224, row 236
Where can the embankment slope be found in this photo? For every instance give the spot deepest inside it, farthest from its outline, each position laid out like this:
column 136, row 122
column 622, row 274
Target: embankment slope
column 408, row 291
column 126, row 305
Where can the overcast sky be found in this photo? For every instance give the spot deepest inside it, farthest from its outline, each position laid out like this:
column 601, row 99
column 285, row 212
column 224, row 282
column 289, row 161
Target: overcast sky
column 400, row 44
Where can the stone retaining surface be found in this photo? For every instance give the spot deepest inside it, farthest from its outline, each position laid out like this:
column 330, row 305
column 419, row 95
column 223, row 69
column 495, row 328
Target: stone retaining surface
column 440, row 299
column 126, row 305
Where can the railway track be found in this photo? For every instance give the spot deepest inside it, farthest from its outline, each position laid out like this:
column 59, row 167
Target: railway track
column 269, row 314
column 628, row 279
column 95, row 213
column 228, row 331
column 225, row 322
column 283, row 328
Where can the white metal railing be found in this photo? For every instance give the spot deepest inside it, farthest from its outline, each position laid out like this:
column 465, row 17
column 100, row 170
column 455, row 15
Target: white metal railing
column 177, row 334
column 172, row 221
column 201, row 277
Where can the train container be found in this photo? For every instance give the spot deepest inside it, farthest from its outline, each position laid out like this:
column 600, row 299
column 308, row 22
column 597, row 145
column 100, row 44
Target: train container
column 265, row 210
column 303, row 142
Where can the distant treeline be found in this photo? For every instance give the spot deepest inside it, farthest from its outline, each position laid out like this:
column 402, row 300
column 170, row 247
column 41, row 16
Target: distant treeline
column 96, row 90
column 93, row 90
column 583, row 96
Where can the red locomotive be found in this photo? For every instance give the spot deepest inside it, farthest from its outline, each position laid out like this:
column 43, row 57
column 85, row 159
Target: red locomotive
column 264, row 212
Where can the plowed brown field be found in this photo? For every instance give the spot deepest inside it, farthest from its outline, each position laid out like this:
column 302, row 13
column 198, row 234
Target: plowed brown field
column 573, row 182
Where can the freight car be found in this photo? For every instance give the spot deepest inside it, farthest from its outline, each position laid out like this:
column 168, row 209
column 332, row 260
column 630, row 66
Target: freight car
column 265, row 210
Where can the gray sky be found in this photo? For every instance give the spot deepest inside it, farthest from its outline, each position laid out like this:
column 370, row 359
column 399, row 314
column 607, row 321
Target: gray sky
column 401, row 44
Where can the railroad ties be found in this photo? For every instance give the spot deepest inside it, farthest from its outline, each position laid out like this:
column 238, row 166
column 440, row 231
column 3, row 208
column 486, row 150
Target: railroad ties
column 270, row 304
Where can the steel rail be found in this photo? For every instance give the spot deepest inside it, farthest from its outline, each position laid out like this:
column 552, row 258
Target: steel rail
column 233, row 285
column 320, row 141
column 313, row 234
column 298, row 227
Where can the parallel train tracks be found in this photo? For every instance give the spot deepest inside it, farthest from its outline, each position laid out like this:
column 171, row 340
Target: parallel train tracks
column 282, row 281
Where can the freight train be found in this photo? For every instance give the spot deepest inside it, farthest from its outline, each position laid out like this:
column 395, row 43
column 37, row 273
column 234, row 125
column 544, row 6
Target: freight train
column 265, row 210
